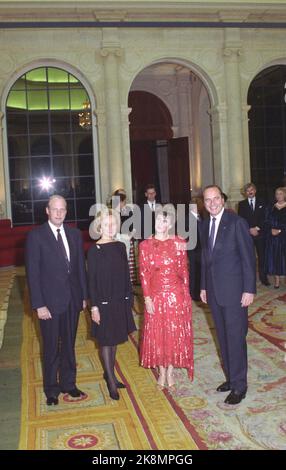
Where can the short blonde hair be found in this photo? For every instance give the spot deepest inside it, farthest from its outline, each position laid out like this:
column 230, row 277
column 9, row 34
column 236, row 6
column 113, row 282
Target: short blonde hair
column 95, row 231
column 282, row 189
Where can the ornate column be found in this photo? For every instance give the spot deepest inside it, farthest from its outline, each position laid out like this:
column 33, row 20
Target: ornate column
column 103, row 153
column 244, row 112
column 110, row 55
column 184, row 105
column 220, row 145
column 231, row 54
column 3, row 184
column 127, row 182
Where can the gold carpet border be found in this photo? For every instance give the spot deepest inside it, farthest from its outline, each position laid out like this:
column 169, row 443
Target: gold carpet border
column 143, row 418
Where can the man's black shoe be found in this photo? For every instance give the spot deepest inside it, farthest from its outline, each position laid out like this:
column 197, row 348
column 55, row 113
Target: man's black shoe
column 265, row 283
column 235, row 397
column 52, row 401
column 224, row 387
column 74, row 392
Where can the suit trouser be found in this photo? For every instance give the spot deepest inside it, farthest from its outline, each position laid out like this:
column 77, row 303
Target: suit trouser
column 259, row 244
column 231, row 324
column 195, row 273
column 59, row 363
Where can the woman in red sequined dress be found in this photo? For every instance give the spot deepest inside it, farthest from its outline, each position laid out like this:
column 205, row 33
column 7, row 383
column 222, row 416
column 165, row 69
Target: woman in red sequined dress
column 167, row 339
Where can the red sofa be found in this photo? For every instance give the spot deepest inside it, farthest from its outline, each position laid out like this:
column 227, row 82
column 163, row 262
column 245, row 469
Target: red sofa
column 12, row 242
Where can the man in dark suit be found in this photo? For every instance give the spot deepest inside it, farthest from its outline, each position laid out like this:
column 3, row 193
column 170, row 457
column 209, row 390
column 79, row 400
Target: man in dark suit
column 252, row 209
column 228, row 286
column 55, row 267
column 148, row 212
column 193, row 222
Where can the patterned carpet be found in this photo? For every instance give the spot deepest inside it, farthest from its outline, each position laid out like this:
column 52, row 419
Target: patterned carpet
column 192, row 417
column 259, row 422
column 6, row 282
column 142, row 419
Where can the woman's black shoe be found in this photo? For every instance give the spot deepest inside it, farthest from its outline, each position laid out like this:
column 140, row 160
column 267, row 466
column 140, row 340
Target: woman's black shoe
column 112, row 393
column 117, row 383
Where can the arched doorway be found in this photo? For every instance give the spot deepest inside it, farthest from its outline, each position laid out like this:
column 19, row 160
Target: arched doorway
column 267, row 129
column 170, row 133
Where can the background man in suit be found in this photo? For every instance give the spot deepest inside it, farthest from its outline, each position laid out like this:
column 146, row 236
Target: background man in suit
column 56, row 273
column 194, row 220
column 228, row 286
column 148, row 212
column 252, row 209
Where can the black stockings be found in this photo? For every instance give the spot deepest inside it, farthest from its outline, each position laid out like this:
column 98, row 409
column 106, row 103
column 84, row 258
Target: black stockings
column 108, row 354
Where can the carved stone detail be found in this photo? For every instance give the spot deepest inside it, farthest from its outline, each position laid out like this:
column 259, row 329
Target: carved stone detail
column 108, row 50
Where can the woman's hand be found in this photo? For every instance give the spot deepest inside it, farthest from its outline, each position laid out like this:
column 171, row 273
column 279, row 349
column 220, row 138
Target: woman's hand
column 203, row 296
column 149, row 305
column 95, row 315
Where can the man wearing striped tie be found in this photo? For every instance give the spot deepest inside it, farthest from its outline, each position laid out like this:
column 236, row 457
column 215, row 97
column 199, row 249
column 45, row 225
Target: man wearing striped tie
column 55, row 268
column 228, row 286
column 252, row 209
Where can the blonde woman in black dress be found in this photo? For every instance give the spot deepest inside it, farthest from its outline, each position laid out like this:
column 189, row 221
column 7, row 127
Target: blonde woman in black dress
column 110, row 294
column 275, row 234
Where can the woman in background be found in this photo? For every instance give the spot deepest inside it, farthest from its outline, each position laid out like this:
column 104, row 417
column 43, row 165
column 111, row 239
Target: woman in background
column 126, row 235
column 275, row 237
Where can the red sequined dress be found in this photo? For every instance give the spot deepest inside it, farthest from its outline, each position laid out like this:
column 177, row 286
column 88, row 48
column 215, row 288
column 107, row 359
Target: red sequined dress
column 167, row 337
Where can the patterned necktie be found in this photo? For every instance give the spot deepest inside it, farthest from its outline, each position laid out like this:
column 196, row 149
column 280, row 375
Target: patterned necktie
column 62, row 248
column 212, row 234
column 251, row 205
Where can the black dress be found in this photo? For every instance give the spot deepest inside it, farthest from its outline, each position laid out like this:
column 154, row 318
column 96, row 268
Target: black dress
column 275, row 246
column 110, row 290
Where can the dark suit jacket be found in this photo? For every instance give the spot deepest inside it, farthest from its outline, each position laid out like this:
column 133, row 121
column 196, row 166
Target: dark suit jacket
column 254, row 218
column 231, row 264
column 50, row 282
column 148, row 217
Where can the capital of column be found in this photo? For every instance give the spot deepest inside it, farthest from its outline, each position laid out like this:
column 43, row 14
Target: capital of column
column 101, row 116
column 245, row 109
column 232, row 53
column 111, row 50
column 219, row 112
column 1, row 119
column 125, row 111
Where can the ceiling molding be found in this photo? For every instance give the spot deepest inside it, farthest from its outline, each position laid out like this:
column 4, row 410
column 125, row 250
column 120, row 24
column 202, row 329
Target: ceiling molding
column 138, row 11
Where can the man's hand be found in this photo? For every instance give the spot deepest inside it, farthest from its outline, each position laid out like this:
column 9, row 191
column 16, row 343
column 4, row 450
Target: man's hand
column 246, row 299
column 149, row 305
column 254, row 231
column 275, row 232
column 44, row 313
column 203, row 296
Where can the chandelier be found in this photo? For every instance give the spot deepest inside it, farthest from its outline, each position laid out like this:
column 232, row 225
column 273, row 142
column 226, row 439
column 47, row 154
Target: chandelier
column 85, row 116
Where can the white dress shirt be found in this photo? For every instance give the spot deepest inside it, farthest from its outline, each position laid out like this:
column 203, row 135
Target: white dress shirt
column 253, row 201
column 64, row 237
column 152, row 205
column 217, row 222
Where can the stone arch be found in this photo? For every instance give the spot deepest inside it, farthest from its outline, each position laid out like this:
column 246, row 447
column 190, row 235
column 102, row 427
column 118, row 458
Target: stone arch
column 266, row 125
column 6, row 90
column 198, row 176
column 260, row 68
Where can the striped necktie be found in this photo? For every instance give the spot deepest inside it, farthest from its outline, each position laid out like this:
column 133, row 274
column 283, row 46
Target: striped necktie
column 212, row 234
